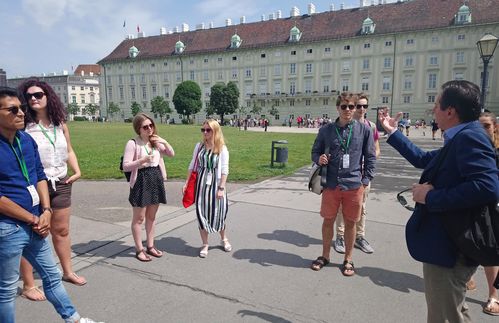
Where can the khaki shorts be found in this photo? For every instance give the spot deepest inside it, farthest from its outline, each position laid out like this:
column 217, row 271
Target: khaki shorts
column 61, row 197
column 349, row 200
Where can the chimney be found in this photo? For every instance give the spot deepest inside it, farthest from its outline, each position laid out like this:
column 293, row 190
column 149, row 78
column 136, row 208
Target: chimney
column 271, row 16
column 211, row 24
column 279, row 14
column 200, row 26
column 162, row 31
column 263, row 18
column 342, row 6
column 185, row 27
column 141, row 34
column 176, row 29
column 130, row 36
column 295, row 12
column 311, row 9
column 331, row 7
column 242, row 20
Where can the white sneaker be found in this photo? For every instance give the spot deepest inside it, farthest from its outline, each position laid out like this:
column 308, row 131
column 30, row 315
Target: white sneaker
column 87, row 320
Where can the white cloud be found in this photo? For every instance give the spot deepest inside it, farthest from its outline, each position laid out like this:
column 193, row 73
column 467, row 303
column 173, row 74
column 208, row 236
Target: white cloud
column 44, row 12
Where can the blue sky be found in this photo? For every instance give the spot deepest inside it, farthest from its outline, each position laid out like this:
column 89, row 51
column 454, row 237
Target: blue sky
column 44, row 36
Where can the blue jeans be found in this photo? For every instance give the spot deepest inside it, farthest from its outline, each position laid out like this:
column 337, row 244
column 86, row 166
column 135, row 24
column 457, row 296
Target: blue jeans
column 20, row 239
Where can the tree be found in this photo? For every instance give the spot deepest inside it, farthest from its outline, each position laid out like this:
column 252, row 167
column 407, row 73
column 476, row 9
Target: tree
column 224, row 99
column 136, row 108
column 256, row 109
column 112, row 109
column 159, row 106
column 273, row 111
column 242, row 112
column 187, row 98
column 73, row 109
column 91, row 109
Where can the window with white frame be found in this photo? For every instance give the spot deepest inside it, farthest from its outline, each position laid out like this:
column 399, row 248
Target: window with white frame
column 409, row 61
column 234, row 73
column 206, row 75
column 132, row 92
column 460, row 37
column 248, row 89
column 144, row 93
column 192, row 75
column 220, row 75
column 407, row 99
column 292, row 68
column 388, row 43
column 325, row 85
column 292, row 87
column 384, row 99
column 367, row 45
column 122, row 93
column 459, row 76
column 308, row 68
column 364, row 85
column 167, row 91
column 325, row 102
column 277, row 69
column 248, row 72
column 262, row 88
column 433, row 60
column 365, row 63
column 431, row 98
column 307, row 102
column 387, row 62
column 277, row 88
column 120, row 79
column 410, row 41
column 408, row 82
column 326, row 67
column 308, row 86
column 460, row 58
column 292, row 102
column 263, row 71
column 345, row 85
column 346, row 66
column 432, row 81
column 387, row 83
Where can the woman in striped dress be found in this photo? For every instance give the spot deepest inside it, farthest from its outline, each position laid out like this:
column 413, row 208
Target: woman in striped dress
column 212, row 163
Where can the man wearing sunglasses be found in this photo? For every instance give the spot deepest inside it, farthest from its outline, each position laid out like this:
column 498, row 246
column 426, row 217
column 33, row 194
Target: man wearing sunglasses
column 360, row 241
column 25, row 214
column 467, row 177
column 350, row 167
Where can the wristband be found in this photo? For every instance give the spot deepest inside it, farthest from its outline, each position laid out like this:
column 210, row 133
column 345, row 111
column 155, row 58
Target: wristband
column 48, row 209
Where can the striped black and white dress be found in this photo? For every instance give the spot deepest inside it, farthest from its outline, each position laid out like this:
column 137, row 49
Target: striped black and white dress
column 211, row 212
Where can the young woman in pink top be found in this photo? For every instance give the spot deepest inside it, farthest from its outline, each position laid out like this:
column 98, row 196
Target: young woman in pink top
column 143, row 157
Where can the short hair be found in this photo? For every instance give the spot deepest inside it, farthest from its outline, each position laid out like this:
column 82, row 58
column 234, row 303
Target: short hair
column 55, row 109
column 6, row 91
column 137, row 122
column 362, row 95
column 464, row 96
column 345, row 96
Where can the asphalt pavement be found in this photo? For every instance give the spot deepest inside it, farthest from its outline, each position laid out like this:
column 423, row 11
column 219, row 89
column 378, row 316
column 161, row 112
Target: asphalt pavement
column 275, row 230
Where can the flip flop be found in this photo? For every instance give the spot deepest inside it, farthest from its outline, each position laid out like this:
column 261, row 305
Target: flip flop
column 154, row 252
column 319, row 263
column 74, row 279
column 489, row 307
column 348, row 271
column 146, row 259
column 32, row 293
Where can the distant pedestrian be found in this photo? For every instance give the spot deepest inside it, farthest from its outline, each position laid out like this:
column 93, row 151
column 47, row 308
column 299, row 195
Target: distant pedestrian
column 25, row 215
column 434, row 128
column 45, row 121
column 212, row 205
column 143, row 157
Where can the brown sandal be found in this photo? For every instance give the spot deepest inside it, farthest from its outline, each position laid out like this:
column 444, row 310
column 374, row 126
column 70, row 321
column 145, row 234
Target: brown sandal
column 146, row 257
column 73, row 278
column 319, row 263
column 154, row 252
column 347, row 269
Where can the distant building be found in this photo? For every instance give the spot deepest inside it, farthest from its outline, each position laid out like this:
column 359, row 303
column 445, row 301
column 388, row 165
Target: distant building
column 398, row 53
column 82, row 89
column 3, row 78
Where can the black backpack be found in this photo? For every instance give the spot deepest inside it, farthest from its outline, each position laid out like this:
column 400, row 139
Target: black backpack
column 127, row 174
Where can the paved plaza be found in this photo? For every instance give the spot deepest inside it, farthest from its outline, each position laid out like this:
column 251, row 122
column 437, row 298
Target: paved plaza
column 275, row 230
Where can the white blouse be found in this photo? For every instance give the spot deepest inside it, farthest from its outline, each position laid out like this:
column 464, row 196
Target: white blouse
column 53, row 150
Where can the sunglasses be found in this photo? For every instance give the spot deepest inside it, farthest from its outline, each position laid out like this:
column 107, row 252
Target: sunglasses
column 37, row 95
column 402, row 200
column 15, row 109
column 148, row 126
column 344, row 106
column 207, row 130
column 362, row 106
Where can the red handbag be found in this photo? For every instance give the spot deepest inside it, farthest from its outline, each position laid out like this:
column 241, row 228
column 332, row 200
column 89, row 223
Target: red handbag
column 190, row 191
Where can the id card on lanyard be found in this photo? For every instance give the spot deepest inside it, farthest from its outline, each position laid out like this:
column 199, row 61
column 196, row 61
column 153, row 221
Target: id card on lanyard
column 345, row 144
column 24, row 169
column 209, row 161
column 57, row 160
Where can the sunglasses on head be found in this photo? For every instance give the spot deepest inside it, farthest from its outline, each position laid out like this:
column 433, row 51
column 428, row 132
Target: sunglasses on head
column 37, row 95
column 402, row 200
column 362, row 106
column 344, row 106
column 148, row 126
column 15, row 109
column 205, row 130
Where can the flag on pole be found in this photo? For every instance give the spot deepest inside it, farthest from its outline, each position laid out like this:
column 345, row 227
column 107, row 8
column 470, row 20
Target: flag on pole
column 138, row 28
column 124, row 23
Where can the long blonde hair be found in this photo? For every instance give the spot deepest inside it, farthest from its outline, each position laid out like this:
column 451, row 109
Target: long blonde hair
column 218, row 136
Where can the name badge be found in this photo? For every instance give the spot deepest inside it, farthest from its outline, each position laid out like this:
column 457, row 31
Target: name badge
column 34, row 195
column 346, row 161
column 209, row 178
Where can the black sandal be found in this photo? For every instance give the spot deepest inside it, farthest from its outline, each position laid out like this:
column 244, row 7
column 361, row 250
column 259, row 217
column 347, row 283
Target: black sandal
column 350, row 268
column 319, row 263
column 146, row 259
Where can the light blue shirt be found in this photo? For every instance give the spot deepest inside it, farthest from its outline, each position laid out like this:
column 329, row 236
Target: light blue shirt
column 451, row 132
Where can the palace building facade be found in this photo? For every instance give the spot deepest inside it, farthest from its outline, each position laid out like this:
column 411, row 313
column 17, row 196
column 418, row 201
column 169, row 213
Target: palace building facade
column 398, row 53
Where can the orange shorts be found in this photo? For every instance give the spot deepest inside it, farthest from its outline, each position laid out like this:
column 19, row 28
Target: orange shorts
column 350, row 201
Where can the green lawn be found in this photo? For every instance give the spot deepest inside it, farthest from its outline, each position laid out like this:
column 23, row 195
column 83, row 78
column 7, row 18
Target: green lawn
column 100, row 145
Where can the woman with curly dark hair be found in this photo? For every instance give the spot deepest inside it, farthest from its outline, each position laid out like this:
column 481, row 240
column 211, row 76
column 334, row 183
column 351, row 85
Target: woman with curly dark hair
column 45, row 122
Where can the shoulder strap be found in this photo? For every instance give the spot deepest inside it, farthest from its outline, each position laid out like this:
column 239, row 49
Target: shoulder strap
column 324, row 170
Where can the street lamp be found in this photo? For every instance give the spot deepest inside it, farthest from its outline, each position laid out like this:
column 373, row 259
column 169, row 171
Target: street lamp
column 486, row 47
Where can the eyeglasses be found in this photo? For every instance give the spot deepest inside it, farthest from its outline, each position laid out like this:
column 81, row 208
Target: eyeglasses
column 148, row 126
column 37, row 95
column 403, row 201
column 362, row 106
column 15, row 109
column 207, row 130
column 344, row 106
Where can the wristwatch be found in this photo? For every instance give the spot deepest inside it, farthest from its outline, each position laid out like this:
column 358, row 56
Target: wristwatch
column 220, row 188
column 48, row 209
